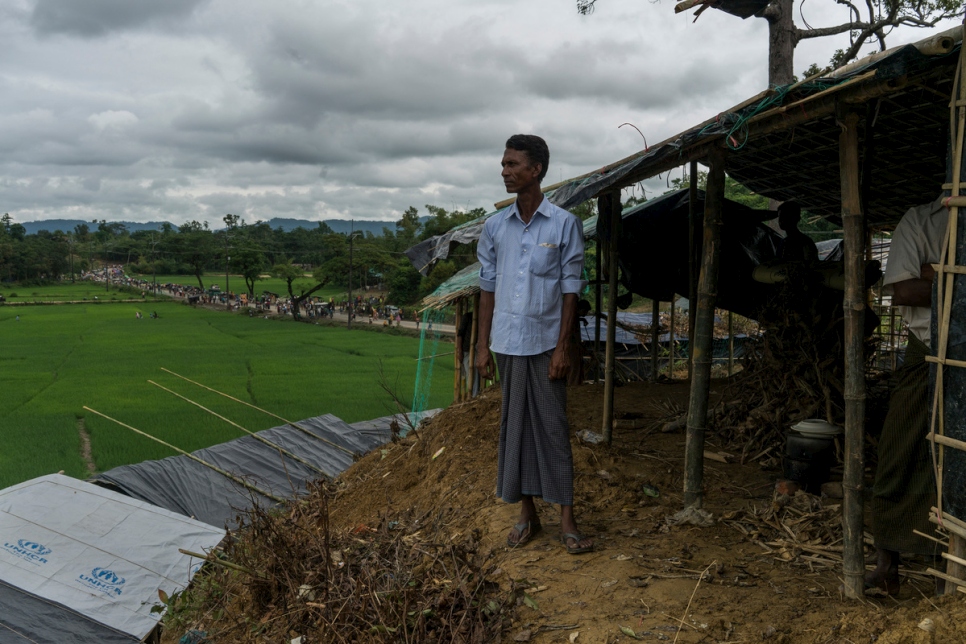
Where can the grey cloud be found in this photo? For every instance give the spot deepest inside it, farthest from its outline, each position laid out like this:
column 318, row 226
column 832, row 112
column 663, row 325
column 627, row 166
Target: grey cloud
column 89, row 18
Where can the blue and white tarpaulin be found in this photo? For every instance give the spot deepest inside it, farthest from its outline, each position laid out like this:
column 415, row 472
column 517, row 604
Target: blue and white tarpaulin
column 100, row 555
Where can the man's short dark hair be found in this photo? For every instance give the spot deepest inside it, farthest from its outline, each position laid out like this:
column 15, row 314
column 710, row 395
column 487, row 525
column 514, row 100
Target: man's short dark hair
column 535, row 148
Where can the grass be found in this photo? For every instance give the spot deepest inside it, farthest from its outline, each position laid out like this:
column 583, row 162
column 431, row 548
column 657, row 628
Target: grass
column 56, row 359
column 65, row 292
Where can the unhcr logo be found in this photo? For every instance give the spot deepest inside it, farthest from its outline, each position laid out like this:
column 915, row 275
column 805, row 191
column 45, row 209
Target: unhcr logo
column 104, row 580
column 29, row 551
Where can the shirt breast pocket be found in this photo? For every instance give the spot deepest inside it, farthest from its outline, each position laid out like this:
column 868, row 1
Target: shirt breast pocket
column 546, row 261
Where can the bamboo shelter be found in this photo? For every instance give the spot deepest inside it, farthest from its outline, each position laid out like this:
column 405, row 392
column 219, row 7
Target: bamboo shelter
column 857, row 146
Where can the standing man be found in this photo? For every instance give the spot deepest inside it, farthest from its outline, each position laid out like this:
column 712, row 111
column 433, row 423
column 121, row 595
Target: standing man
column 905, row 485
column 532, row 254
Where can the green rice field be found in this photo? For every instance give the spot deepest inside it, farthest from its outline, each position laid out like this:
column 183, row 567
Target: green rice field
column 64, row 292
column 55, row 360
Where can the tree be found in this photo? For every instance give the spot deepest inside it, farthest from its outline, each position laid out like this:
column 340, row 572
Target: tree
column 250, row 263
column 196, row 247
column 290, row 272
column 874, row 22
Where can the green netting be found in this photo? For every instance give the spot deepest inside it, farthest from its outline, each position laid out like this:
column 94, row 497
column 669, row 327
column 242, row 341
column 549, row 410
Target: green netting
column 429, row 336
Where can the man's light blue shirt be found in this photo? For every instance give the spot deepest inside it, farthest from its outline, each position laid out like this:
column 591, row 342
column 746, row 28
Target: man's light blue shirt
column 529, row 268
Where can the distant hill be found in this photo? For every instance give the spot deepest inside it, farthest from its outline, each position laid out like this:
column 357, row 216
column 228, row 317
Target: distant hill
column 337, row 225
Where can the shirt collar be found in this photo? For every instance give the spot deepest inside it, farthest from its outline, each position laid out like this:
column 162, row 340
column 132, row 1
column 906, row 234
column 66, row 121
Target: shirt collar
column 542, row 209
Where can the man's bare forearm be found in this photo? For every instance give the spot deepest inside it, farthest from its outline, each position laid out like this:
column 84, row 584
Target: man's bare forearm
column 485, row 321
column 913, row 292
column 568, row 317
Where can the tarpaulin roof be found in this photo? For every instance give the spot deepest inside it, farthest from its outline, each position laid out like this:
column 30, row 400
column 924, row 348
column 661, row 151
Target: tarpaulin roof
column 783, row 142
column 80, row 563
column 183, row 485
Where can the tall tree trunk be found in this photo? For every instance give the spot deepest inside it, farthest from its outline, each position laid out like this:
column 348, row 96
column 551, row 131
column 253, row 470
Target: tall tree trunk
column 781, row 41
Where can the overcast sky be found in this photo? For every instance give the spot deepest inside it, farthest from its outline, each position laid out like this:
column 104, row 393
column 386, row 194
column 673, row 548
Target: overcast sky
column 173, row 110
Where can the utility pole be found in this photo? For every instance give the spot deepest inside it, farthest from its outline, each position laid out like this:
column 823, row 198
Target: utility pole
column 352, row 307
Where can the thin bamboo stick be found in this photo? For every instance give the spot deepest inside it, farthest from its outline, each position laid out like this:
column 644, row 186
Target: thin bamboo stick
column 221, row 562
column 248, row 404
column 945, row 440
column 954, row 580
column 261, row 439
column 227, row 475
column 854, row 305
column 930, row 537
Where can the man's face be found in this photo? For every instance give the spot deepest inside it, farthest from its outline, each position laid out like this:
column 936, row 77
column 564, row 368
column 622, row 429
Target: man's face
column 518, row 172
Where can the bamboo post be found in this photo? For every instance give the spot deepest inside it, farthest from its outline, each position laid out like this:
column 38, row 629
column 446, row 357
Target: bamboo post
column 610, row 204
column 227, row 475
column 247, row 404
column 598, row 304
column 854, row 231
column 704, row 332
column 458, row 357
column 260, row 439
column 731, row 343
column 474, row 335
column 655, row 337
column 694, row 250
column 672, row 340
column 954, row 562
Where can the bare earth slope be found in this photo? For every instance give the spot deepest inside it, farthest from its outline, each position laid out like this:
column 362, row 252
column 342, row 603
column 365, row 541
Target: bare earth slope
column 642, row 582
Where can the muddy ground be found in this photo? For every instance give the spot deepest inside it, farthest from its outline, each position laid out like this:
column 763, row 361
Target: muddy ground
column 642, row 581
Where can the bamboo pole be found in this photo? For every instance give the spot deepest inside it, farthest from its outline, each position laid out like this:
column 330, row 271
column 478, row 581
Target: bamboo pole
column 854, row 303
column 704, row 332
column 227, row 475
column 655, row 337
column 955, row 561
column 694, row 254
column 458, row 356
column 260, row 439
column 610, row 204
column 731, row 343
column 672, row 340
column 474, row 335
column 598, row 304
column 248, row 404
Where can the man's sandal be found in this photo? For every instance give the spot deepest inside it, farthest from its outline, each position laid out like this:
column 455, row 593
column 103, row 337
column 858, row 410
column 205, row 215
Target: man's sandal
column 525, row 533
column 575, row 549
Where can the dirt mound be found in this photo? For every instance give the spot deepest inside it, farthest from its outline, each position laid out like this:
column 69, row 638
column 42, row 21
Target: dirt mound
column 765, row 570
column 644, row 575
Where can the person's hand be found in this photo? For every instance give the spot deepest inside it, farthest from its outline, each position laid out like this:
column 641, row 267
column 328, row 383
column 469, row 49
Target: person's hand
column 484, row 363
column 559, row 363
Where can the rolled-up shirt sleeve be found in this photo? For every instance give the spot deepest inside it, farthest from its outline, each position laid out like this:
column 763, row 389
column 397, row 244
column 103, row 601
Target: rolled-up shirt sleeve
column 571, row 257
column 486, row 253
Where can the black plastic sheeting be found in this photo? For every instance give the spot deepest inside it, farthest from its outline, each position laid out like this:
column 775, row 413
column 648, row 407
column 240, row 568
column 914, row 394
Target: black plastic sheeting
column 653, row 250
column 26, row 618
column 183, row 485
